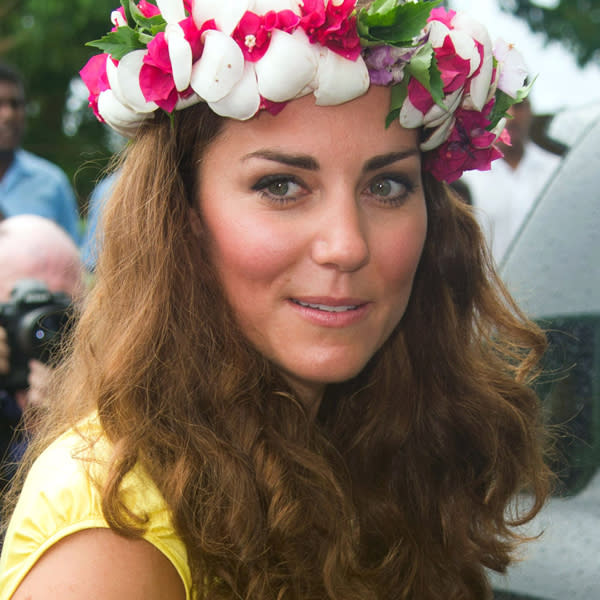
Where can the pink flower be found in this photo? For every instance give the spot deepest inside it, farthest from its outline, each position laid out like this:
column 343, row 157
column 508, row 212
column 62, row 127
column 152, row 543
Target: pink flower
column 443, row 16
column 332, row 26
column 469, row 146
column 148, row 10
column 253, row 32
column 454, row 69
column 156, row 75
column 94, row 76
column 272, row 107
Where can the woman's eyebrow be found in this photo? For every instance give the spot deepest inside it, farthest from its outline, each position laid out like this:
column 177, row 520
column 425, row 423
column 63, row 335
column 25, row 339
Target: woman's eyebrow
column 301, row 161
column 383, row 160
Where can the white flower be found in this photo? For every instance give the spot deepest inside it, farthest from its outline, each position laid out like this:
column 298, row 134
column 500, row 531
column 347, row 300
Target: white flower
column 288, row 66
column 340, row 79
column 180, row 55
column 171, row 10
column 226, row 14
column 121, row 118
column 128, row 76
column 511, row 66
column 243, row 101
column 220, row 67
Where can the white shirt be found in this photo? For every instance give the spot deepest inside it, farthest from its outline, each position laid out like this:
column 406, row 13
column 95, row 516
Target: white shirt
column 504, row 196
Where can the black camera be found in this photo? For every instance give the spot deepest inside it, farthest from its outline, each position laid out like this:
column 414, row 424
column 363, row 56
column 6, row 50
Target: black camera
column 35, row 320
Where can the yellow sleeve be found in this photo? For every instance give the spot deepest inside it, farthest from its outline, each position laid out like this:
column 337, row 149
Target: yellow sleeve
column 59, row 499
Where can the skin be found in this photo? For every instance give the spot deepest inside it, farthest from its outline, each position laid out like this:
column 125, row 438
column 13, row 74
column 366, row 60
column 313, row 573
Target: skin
column 12, row 122
column 292, row 219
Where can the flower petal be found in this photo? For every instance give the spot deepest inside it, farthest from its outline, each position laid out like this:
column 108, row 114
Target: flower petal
column 226, row 14
column 466, row 48
column 261, row 7
column 340, row 79
column 410, row 115
column 288, row 66
column 180, row 55
column 439, row 136
column 113, row 80
column 480, row 84
column 171, row 10
column 128, row 75
column 243, row 101
column 220, row 67
column 437, row 33
column 121, row 118
column 437, row 115
column 184, row 102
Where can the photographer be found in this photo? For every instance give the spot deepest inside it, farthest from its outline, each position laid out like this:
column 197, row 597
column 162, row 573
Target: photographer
column 33, row 250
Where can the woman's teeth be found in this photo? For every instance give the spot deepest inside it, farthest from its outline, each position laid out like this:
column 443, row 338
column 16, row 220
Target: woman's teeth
column 325, row 307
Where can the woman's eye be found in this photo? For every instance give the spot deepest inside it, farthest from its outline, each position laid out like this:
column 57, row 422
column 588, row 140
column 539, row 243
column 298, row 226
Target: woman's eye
column 279, row 189
column 390, row 190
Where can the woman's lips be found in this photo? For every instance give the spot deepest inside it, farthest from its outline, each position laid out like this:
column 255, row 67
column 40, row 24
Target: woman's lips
column 331, row 312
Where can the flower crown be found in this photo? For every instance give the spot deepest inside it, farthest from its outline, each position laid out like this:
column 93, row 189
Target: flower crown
column 241, row 56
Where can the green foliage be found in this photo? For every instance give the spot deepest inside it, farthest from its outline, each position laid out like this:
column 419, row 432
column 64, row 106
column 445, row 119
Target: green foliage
column 45, row 40
column 396, row 24
column 576, row 23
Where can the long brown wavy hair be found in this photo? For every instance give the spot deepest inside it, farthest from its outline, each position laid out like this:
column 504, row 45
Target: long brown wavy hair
column 398, row 490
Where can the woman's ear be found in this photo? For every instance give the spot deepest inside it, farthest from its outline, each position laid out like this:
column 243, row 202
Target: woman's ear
column 195, row 221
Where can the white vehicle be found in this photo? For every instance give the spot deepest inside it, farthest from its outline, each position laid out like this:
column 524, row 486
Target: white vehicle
column 553, row 270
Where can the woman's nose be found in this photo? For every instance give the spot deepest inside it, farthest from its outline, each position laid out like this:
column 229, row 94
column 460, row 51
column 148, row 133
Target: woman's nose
column 341, row 239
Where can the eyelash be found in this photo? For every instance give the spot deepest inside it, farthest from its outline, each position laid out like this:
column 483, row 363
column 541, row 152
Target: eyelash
column 408, row 187
column 264, row 183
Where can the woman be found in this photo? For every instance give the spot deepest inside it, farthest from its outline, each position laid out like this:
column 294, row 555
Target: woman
column 297, row 375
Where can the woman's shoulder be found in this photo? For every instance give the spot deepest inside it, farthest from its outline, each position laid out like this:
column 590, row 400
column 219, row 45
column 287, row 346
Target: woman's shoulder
column 61, row 496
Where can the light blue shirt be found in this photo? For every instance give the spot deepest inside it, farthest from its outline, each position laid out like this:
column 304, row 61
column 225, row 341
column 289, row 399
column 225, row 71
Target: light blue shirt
column 34, row 185
column 93, row 235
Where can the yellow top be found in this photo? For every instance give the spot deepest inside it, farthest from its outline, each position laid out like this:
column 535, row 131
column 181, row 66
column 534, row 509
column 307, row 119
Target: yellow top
column 59, row 499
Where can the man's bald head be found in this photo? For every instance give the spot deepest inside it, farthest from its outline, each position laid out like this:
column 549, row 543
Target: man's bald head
column 32, row 247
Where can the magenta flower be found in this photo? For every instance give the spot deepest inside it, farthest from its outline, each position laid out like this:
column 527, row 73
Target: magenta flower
column 469, row 146
column 442, row 15
column 156, row 75
column 253, row 32
column 94, row 76
column 147, row 9
column 454, row 69
column 332, row 26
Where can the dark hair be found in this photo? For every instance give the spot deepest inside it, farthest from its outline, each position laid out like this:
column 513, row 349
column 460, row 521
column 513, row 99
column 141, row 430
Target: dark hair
column 9, row 73
column 399, row 489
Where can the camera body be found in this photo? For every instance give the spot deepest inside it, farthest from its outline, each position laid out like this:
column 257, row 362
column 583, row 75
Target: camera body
column 35, row 320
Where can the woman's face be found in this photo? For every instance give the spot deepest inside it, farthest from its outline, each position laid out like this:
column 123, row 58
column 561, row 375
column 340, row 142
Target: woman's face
column 316, row 220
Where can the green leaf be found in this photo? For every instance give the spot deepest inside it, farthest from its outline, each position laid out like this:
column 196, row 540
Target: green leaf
column 392, row 116
column 147, row 23
column 126, row 4
column 504, row 102
column 394, row 24
column 118, row 43
column 398, row 95
column 423, row 67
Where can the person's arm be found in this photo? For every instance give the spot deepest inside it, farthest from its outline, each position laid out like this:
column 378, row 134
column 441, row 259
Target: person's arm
column 98, row 564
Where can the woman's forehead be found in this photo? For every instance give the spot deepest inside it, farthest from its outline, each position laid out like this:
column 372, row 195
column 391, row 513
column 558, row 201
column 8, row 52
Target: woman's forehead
column 304, row 124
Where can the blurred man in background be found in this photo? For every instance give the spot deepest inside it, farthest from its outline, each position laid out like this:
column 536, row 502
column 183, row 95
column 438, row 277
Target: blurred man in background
column 29, row 184
column 31, row 248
